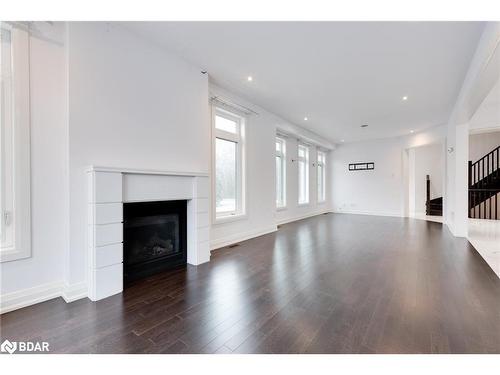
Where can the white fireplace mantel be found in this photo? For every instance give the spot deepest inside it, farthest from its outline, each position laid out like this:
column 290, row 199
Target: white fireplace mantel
column 109, row 188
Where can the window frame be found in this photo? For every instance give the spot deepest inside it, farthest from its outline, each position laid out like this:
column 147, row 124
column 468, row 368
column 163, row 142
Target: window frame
column 239, row 139
column 305, row 160
column 19, row 214
column 321, row 163
column 282, row 155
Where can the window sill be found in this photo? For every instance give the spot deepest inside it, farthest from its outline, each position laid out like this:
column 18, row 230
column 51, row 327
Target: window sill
column 322, row 202
column 304, row 204
column 229, row 218
column 282, row 208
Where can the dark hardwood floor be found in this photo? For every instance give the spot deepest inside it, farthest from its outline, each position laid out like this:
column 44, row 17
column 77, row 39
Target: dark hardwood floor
column 330, row 284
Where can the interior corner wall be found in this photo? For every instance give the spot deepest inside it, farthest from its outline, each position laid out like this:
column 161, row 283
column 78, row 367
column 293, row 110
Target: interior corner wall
column 294, row 210
column 412, row 199
column 457, row 178
column 44, row 270
column 461, row 180
column 131, row 105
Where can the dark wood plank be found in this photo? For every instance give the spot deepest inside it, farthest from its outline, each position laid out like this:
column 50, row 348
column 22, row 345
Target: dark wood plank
column 329, row 284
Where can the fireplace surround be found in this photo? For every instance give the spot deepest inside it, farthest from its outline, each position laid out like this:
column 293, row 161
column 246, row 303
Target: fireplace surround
column 112, row 189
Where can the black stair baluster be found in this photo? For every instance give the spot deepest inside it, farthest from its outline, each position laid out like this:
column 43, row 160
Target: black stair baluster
column 489, row 203
column 470, row 204
column 482, row 178
column 480, row 205
column 487, row 169
column 474, row 203
column 484, row 186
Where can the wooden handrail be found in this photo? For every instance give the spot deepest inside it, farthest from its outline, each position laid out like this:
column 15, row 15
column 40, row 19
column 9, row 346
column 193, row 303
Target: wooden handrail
column 488, row 154
column 483, row 176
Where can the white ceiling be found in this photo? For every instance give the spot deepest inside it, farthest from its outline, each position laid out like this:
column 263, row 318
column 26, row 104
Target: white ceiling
column 338, row 74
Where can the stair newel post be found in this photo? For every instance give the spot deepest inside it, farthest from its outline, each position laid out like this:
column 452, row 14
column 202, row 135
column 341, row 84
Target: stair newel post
column 428, row 196
column 470, row 173
column 469, row 201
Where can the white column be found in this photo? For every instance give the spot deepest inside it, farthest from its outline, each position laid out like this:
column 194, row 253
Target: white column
column 106, row 234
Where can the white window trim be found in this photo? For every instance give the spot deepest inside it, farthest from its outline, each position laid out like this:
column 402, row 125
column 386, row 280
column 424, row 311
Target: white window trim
column 241, row 189
column 21, row 215
column 308, row 174
column 282, row 154
column 319, row 163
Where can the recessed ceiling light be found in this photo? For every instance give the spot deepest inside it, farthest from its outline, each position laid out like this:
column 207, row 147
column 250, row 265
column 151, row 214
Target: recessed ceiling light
column 364, row 125
column 305, row 119
column 405, row 98
column 412, row 131
column 249, row 78
column 342, row 140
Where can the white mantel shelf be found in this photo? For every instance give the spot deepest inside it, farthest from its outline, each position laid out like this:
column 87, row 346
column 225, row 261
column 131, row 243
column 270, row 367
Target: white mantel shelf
column 93, row 168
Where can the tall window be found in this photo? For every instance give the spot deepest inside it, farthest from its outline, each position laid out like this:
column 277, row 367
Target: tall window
column 321, row 176
column 280, row 173
column 303, row 159
column 15, row 222
column 229, row 167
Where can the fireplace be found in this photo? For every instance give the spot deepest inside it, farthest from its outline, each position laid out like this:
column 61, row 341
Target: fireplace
column 114, row 201
column 154, row 237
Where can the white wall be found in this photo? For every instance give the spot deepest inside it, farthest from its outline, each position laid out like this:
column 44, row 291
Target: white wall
column 262, row 216
column 293, row 210
column 49, row 173
column 481, row 144
column 107, row 97
column 131, row 105
column 487, row 116
column 481, row 78
column 378, row 191
column 384, row 190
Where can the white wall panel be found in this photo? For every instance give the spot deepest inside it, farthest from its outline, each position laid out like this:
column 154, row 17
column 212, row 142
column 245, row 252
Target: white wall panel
column 106, row 213
column 108, row 234
column 107, row 187
column 108, row 255
column 140, row 187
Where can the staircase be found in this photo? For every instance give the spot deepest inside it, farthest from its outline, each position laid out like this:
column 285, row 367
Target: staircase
column 484, row 186
column 433, row 207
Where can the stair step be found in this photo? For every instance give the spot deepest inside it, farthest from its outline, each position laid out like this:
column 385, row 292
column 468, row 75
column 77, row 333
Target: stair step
column 435, row 213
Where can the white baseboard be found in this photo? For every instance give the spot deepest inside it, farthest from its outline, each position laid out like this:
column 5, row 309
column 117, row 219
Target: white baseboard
column 371, row 213
column 301, row 217
column 74, row 292
column 27, row 297
column 229, row 240
column 238, row 237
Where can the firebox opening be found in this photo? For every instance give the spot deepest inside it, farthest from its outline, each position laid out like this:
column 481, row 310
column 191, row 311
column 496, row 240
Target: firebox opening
column 154, row 238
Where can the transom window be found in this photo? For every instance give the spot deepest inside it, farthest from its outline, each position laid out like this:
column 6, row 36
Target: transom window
column 280, row 172
column 303, row 160
column 229, row 167
column 321, row 176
